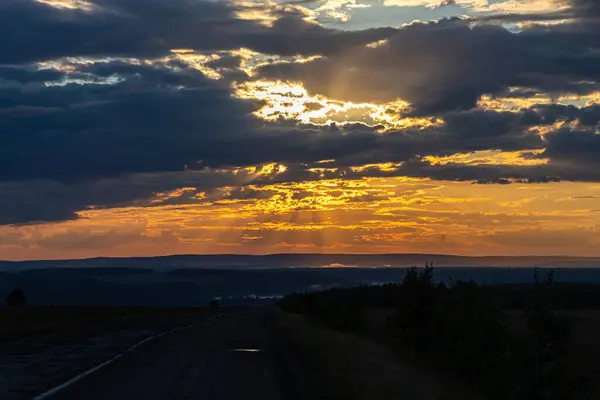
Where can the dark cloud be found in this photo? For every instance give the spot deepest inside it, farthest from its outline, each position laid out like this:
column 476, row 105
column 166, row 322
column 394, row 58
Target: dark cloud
column 500, row 181
column 23, row 75
column 574, row 146
column 448, row 65
column 491, row 129
column 587, row 116
column 435, row 66
column 165, row 117
column 46, row 201
column 145, row 123
column 115, row 131
column 149, row 28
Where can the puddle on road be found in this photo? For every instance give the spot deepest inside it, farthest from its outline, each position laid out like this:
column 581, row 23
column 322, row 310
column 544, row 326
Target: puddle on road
column 246, row 350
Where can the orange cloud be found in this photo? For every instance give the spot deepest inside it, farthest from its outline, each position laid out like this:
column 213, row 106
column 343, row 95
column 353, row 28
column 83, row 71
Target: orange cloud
column 368, row 215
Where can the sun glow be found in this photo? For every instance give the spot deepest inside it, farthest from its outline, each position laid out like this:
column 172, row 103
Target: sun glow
column 291, row 101
column 69, row 4
column 371, row 215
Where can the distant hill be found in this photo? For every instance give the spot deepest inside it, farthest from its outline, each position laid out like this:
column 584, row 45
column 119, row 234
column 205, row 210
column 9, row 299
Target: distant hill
column 190, row 280
column 172, row 283
column 306, row 260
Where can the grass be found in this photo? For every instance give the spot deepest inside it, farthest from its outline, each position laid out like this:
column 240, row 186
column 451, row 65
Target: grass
column 326, row 364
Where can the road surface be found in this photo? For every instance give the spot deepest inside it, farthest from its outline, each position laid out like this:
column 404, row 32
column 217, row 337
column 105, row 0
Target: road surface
column 219, row 359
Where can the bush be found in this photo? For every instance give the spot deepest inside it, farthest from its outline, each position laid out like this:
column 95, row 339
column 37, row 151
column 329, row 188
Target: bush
column 16, row 298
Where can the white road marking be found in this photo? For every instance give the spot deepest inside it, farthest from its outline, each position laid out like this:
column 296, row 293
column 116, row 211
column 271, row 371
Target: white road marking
column 90, row 371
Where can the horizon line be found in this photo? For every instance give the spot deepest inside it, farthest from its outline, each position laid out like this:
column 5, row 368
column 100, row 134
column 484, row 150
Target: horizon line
column 300, row 254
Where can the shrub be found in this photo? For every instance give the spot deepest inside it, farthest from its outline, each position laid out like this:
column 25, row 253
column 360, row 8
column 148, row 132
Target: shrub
column 16, row 298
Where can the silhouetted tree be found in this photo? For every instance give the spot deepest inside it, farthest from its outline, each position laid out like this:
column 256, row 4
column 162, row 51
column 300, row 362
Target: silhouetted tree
column 214, row 303
column 413, row 319
column 16, row 298
column 547, row 344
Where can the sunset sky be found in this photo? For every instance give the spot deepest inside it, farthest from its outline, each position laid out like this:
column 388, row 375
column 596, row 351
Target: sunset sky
column 153, row 127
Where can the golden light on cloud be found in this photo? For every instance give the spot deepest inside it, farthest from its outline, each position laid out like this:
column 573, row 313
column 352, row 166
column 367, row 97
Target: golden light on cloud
column 69, row 4
column 544, row 130
column 198, row 61
column 161, row 197
column 249, row 60
column 490, row 103
column 517, row 103
column 385, row 167
column 259, row 15
column 372, row 215
column 317, row 195
column 183, row 51
column 267, row 12
column 434, row 3
column 283, row 100
column 252, row 60
column 490, row 157
column 488, row 6
column 522, row 6
column 291, row 101
column 270, row 169
column 339, row 9
column 377, row 44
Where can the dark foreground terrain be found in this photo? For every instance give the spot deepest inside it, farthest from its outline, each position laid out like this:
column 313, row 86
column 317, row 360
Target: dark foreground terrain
column 254, row 280
column 224, row 357
column 416, row 339
column 535, row 341
column 193, row 353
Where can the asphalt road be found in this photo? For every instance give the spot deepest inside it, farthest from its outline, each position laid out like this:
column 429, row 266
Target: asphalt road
column 223, row 358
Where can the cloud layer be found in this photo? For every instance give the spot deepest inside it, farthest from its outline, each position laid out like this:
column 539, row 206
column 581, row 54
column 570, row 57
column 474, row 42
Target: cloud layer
column 107, row 103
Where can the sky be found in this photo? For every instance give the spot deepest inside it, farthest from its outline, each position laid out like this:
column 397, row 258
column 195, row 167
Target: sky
column 154, row 127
